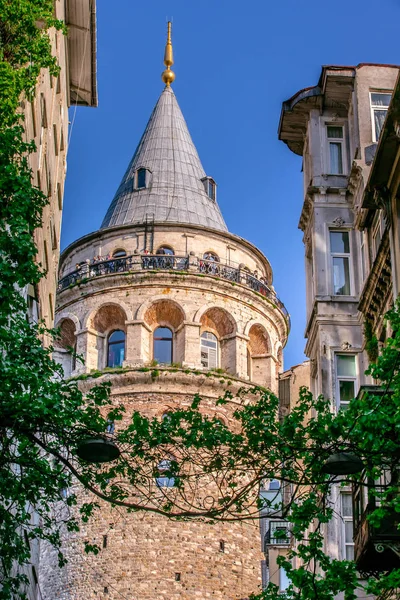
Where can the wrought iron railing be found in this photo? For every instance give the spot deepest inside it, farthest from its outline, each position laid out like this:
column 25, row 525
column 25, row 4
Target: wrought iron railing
column 278, row 534
column 168, row 262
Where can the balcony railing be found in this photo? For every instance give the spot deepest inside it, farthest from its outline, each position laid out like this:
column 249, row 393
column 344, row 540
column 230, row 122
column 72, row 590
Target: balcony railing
column 126, row 264
column 278, row 534
column 376, row 548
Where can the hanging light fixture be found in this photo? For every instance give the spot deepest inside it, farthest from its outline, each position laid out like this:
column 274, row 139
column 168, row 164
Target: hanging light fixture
column 342, row 463
column 98, row 450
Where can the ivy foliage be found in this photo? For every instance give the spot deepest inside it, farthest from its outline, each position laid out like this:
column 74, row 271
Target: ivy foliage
column 371, row 342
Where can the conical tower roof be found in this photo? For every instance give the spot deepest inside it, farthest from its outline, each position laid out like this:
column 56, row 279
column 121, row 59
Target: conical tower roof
column 175, row 179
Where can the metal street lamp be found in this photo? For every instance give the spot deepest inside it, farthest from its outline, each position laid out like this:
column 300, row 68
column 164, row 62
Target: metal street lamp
column 98, row 450
column 343, row 463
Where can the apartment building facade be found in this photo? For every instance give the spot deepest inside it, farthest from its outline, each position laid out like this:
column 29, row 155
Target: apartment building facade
column 335, row 127
column 47, row 123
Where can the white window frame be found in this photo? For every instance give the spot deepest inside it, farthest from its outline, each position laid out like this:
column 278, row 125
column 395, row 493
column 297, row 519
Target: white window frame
column 339, row 378
column 346, row 519
column 341, row 255
column 206, row 349
column 374, row 107
column 341, row 141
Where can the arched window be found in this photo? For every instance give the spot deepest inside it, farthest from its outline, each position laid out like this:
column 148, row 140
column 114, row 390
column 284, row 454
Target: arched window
column 162, row 345
column 163, row 479
column 274, row 484
column 119, row 253
column 116, row 349
column 165, row 250
column 211, row 256
column 141, row 178
column 110, row 427
column 209, row 350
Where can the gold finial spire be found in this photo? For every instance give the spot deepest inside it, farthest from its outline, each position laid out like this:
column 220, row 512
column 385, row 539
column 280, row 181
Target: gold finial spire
column 168, row 76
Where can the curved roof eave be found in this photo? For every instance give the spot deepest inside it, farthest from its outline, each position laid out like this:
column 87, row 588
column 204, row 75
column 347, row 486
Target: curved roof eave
column 292, row 107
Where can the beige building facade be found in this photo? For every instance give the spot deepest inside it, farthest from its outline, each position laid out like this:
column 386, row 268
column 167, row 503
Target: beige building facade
column 336, row 126
column 164, row 303
column 379, row 215
column 46, row 122
column 273, row 545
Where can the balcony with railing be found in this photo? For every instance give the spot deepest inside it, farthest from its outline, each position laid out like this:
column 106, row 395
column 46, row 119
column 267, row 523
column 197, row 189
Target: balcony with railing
column 156, row 262
column 376, row 547
column 278, row 534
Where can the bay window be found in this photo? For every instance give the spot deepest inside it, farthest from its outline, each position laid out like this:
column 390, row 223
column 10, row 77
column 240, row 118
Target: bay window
column 336, row 152
column 346, row 379
column 340, row 262
column 379, row 106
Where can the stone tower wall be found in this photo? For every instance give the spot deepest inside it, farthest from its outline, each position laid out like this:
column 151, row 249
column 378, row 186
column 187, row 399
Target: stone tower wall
column 250, row 328
column 148, row 556
column 143, row 555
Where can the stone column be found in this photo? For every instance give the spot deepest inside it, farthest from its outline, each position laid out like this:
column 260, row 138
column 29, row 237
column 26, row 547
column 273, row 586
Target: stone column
column 63, row 357
column 241, row 355
column 191, row 355
column 234, row 354
column 89, row 344
column 138, row 343
column 193, row 263
column 263, row 370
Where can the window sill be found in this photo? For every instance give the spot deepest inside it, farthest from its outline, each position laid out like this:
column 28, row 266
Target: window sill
column 344, row 298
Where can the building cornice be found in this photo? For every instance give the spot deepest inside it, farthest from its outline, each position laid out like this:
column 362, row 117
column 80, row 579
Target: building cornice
column 82, row 49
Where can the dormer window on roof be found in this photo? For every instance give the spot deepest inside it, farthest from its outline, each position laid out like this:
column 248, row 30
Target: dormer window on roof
column 210, row 187
column 165, row 165
column 141, row 179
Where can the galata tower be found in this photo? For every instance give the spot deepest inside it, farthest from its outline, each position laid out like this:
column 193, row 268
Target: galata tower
column 164, row 282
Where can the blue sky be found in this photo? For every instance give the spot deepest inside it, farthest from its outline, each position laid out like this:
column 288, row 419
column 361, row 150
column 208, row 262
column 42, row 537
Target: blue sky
column 235, row 63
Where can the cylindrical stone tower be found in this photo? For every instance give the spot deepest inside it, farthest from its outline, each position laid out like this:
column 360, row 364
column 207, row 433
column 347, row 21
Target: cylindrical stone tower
column 163, row 280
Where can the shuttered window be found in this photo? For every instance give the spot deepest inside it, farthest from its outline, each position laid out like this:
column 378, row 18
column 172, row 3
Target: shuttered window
column 209, row 350
column 284, row 391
